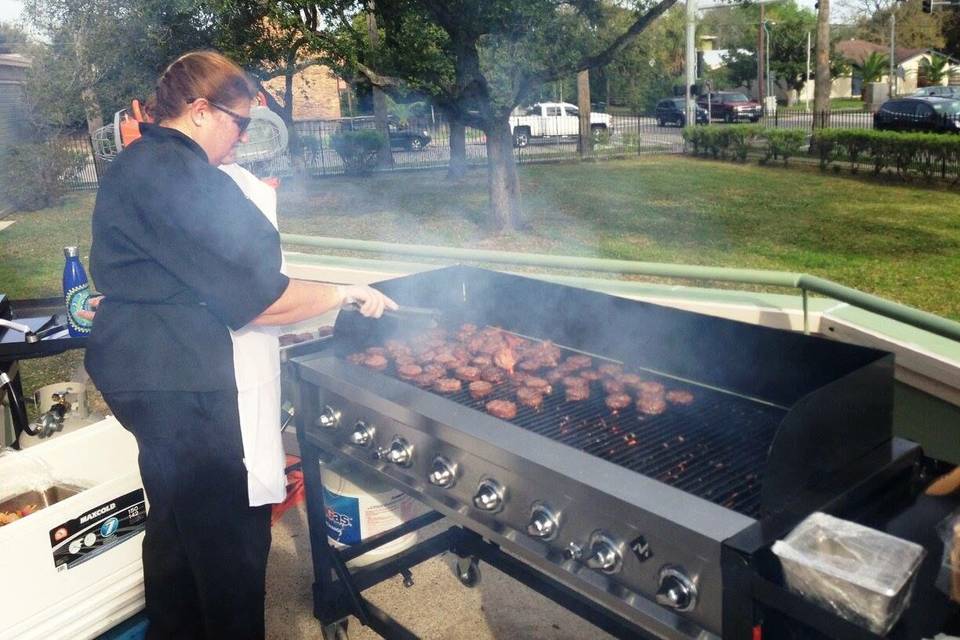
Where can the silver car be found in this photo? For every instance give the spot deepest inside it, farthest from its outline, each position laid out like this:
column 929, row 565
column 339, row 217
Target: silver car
column 939, row 91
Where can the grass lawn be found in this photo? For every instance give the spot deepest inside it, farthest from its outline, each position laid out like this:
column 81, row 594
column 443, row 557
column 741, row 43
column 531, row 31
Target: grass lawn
column 846, row 103
column 897, row 241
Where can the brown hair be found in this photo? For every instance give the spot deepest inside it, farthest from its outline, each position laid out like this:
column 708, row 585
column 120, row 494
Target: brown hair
column 200, row 74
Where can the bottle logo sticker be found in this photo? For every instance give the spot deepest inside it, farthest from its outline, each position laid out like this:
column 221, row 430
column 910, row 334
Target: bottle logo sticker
column 76, row 299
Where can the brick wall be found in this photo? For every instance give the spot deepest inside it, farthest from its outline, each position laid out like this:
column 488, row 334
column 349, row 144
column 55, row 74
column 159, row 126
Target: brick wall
column 315, row 93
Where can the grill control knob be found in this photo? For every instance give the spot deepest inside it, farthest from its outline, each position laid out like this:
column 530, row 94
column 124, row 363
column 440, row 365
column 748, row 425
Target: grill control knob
column 362, row 434
column 330, row 418
column 603, row 555
column 489, row 496
column 676, row 590
column 443, row 473
column 543, row 523
column 400, row 452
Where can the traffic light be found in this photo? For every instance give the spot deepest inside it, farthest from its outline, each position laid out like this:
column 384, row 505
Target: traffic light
column 928, row 6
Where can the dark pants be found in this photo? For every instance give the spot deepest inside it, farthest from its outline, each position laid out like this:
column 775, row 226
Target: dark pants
column 205, row 550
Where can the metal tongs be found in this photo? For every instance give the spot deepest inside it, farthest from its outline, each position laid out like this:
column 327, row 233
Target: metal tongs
column 29, row 335
column 425, row 317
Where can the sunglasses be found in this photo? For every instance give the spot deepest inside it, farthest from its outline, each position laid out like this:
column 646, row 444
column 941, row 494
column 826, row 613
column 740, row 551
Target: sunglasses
column 242, row 122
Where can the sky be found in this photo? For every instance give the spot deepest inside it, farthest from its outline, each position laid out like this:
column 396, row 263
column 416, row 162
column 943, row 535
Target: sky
column 10, row 10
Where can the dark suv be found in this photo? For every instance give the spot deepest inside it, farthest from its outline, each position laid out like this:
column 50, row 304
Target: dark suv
column 731, row 106
column 918, row 114
column 674, row 111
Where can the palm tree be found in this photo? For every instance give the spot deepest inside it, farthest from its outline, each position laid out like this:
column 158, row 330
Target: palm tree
column 934, row 70
column 871, row 68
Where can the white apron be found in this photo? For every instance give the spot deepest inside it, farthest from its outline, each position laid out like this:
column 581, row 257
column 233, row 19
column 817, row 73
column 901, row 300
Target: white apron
column 256, row 363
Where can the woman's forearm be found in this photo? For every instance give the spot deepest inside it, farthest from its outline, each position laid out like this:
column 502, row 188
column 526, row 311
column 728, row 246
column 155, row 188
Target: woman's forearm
column 301, row 300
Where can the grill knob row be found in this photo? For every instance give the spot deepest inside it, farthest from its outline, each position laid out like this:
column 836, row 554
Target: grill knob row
column 362, row 434
column 489, row 496
column 544, row 523
column 400, row 452
column 443, row 473
column 676, row 589
column 603, row 555
column 329, row 418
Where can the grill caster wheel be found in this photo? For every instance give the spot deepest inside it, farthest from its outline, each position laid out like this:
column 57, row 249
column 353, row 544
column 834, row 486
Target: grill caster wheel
column 335, row 631
column 467, row 571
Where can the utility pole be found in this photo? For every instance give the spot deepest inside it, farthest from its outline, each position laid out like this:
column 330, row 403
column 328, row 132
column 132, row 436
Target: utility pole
column 583, row 105
column 821, row 93
column 760, row 49
column 691, row 63
column 806, row 78
column 893, row 51
column 766, row 36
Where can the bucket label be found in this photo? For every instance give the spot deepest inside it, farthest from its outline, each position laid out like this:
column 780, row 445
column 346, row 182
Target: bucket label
column 98, row 529
column 343, row 517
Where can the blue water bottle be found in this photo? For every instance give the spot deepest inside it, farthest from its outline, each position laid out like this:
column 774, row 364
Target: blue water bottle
column 76, row 293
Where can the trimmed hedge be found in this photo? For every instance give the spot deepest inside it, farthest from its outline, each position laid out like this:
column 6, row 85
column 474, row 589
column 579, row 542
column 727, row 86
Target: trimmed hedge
column 737, row 141
column 358, row 149
column 926, row 155
column 34, row 175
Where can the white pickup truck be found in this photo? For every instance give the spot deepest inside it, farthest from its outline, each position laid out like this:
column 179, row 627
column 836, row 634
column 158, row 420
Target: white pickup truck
column 552, row 119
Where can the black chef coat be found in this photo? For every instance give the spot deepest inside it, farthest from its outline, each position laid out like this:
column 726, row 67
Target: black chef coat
column 180, row 255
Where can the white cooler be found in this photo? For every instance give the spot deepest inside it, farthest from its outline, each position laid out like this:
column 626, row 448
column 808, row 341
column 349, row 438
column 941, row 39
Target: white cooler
column 72, row 570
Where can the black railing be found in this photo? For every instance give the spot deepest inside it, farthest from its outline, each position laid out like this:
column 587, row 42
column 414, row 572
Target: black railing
column 424, row 142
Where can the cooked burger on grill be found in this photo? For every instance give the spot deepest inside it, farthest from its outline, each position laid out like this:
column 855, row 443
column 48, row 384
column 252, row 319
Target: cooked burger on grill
column 438, row 369
column 376, row 351
column 427, row 378
column 613, row 386
column 493, row 374
column 610, row 370
column 578, row 362
column 467, row 374
column 481, row 361
column 409, row 371
column 577, row 392
column 375, row 361
column 530, row 365
column 651, row 405
column 480, row 389
column 680, row 397
column 356, row 358
column 447, row 385
column 503, row 409
column 648, row 388
column 575, row 381
column 402, row 361
column 590, row 375
column 618, row 401
column 631, row 379
column 539, row 384
column 529, row 397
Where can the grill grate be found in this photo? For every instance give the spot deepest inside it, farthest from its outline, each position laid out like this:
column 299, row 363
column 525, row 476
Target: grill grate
column 715, row 448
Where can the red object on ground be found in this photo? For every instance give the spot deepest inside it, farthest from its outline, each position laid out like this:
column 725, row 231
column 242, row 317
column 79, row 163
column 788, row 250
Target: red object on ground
column 295, row 490
column 758, row 633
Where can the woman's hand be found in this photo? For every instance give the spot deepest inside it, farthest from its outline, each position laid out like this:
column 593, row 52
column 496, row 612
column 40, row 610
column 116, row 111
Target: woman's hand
column 93, row 303
column 372, row 303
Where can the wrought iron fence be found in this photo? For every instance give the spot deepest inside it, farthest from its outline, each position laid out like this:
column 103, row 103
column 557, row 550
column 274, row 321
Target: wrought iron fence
column 421, row 143
column 80, row 149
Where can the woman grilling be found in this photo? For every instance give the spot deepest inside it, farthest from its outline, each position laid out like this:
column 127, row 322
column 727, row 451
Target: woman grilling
column 184, row 259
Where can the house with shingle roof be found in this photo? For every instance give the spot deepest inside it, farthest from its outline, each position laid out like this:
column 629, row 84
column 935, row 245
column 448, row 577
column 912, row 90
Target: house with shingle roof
column 908, row 61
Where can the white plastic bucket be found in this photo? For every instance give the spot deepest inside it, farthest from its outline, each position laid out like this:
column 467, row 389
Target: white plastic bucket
column 360, row 505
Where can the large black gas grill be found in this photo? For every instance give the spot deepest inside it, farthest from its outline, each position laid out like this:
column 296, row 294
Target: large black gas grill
column 629, row 510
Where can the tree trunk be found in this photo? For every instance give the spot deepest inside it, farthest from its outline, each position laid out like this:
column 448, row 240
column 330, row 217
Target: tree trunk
column 823, row 81
column 458, row 148
column 385, row 157
column 502, row 177
column 583, row 104
column 297, row 160
column 92, row 110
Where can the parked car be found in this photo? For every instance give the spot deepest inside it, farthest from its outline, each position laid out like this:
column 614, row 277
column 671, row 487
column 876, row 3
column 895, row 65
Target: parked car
column 731, row 106
column 552, row 119
column 674, row 111
column 402, row 138
column 939, row 91
column 918, row 114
